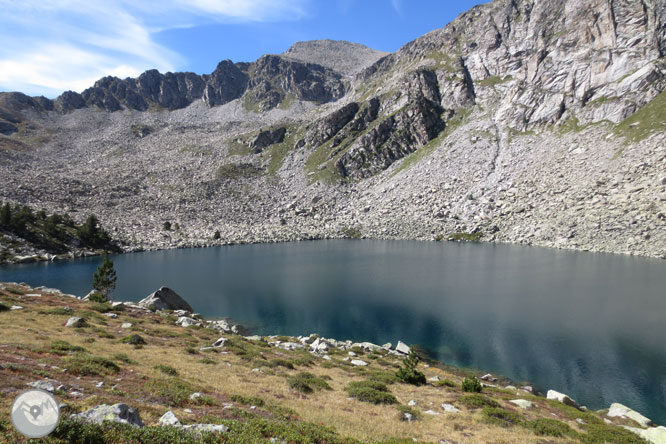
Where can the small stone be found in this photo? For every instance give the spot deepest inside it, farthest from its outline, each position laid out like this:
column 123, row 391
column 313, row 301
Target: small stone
column 169, row 419
column 76, row 322
column 434, row 379
column 431, row 412
column 450, row 408
column 126, row 325
column 352, row 354
column 411, row 403
column 42, row 385
column 522, row 403
column 488, row 377
column 196, row 395
column 408, row 417
column 99, row 384
column 111, row 315
column 16, row 307
column 359, row 362
column 220, row 343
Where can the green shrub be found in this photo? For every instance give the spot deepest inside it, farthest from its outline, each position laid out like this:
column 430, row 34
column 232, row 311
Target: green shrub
column 477, row 401
column 133, row 340
column 62, row 311
column 471, row 385
column 64, row 347
column 208, row 360
column 370, row 391
column 4, row 307
column 550, row 427
column 409, row 374
column 306, row 382
column 172, row 391
column 247, row 400
column 122, row 357
column 166, row 369
column 89, row 365
column 383, row 377
column 191, row 351
column 501, row 417
column 405, row 409
column 605, row 434
column 445, row 383
column 98, row 297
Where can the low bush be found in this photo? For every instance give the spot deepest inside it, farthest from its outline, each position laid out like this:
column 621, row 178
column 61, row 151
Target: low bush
column 133, row 340
column 605, row 434
column 373, row 392
column 550, row 427
column 89, row 365
column 475, row 401
column 166, row 369
column 208, row 361
column 172, row 391
column 471, row 384
column 247, row 400
column 306, row 382
column 64, row 347
column 408, row 373
column 501, row 417
column 98, row 297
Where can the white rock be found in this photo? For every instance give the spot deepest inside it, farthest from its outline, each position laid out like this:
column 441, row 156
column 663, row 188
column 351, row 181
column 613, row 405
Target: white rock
column 76, row 322
column 411, row 403
column 402, row 348
column 522, row 403
column 126, row 325
column 564, row 399
column 617, row 409
column 358, row 362
column 169, row 419
column 42, row 385
column 111, row 315
column 186, row 321
column 16, row 307
column 488, row 377
column 434, row 379
column 220, row 342
column 655, row 435
column 450, row 408
column 431, row 412
column 194, row 396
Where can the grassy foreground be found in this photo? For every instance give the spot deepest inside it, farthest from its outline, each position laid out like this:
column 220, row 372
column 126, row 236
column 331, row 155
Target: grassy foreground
column 262, row 393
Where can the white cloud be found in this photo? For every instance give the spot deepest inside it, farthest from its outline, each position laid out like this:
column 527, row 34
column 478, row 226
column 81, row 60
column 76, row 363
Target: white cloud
column 397, row 6
column 53, row 45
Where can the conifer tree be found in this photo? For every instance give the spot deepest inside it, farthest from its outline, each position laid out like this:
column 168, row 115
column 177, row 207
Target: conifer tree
column 104, row 279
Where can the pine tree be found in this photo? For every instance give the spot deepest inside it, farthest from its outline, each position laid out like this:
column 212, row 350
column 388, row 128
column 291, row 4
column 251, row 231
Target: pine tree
column 5, row 216
column 104, row 279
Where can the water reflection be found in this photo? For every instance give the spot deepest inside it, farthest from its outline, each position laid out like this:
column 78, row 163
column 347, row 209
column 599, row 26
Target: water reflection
column 586, row 324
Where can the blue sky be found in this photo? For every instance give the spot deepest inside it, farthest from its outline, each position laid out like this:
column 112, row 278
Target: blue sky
column 50, row 46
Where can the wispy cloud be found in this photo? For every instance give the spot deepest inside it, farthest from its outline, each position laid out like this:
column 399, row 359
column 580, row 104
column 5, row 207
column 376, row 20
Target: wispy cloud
column 397, row 6
column 54, row 45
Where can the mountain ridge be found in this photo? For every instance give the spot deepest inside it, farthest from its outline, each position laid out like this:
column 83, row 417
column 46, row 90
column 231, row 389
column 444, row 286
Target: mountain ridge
column 536, row 122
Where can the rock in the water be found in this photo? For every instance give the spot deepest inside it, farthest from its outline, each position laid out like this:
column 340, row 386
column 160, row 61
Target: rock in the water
column 165, row 299
column 120, row 413
column 42, row 385
column 564, row 399
column 655, row 435
column 76, row 322
column 617, row 409
column 522, row 403
column 402, row 348
column 169, row 419
column 450, row 408
column 358, row 362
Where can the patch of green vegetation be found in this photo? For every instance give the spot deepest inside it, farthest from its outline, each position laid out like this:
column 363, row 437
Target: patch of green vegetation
column 427, row 149
column 648, row 120
column 550, row 427
column 573, row 413
column 251, row 104
column 278, row 152
column 405, row 409
column 492, row 81
column 370, row 391
column 60, row 311
column 64, row 348
column 604, row 434
column 383, row 377
column 445, row 61
column 571, row 125
column 445, row 383
column 501, row 417
column 465, row 237
column 173, row 391
column 408, row 372
column 287, row 101
column 133, row 340
column 166, row 369
column 476, row 401
column 306, row 382
column 247, row 400
column 351, row 232
column 207, row 360
column 88, row 365
column 232, row 171
column 4, row 307
column 122, row 357
column 471, row 384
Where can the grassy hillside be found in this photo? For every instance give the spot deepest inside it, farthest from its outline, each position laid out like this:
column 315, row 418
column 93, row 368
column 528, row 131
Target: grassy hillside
column 261, row 392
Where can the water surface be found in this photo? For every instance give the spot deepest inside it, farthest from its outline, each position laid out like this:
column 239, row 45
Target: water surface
column 590, row 325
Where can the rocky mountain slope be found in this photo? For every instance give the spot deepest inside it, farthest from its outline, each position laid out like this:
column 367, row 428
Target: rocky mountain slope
column 538, row 122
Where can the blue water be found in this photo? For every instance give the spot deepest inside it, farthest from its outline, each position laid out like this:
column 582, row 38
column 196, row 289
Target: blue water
column 589, row 325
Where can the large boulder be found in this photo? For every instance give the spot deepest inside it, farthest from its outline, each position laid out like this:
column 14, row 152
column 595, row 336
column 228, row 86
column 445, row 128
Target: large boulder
column 165, row 299
column 561, row 397
column 120, row 413
column 654, row 435
column 617, row 409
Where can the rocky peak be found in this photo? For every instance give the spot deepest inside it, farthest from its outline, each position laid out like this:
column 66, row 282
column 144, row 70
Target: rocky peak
column 339, row 55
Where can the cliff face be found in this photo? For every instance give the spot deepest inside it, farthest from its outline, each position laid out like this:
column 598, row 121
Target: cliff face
column 482, row 119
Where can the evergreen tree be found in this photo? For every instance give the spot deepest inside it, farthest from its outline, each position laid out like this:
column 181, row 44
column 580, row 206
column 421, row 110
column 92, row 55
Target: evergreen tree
column 5, row 216
column 92, row 235
column 104, row 279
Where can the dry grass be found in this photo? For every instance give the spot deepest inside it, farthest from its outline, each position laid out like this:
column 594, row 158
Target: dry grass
column 29, row 333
